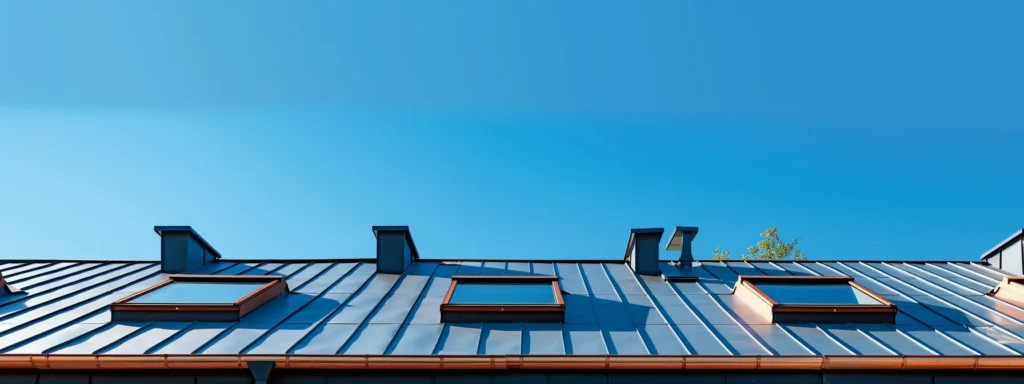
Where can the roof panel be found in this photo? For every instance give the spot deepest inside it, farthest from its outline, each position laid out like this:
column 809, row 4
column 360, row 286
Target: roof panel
column 189, row 340
column 325, row 339
column 543, row 339
column 280, row 339
column 502, row 339
column 459, row 339
column 417, row 339
column 371, row 339
column 662, row 339
column 348, row 307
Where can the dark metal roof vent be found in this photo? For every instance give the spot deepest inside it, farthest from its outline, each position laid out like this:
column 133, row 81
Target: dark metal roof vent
column 395, row 248
column 682, row 241
column 183, row 250
column 642, row 252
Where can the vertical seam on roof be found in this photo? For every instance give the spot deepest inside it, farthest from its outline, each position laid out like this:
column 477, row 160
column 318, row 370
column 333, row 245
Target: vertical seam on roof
column 50, row 279
column 811, row 271
column 327, row 318
column 127, row 337
column 742, row 324
column 4, row 266
column 878, row 341
column 171, row 338
column 376, row 308
column 661, row 311
column 965, row 345
column 17, row 279
column 916, row 341
column 622, row 297
column 961, row 310
column 317, row 276
column 226, row 265
column 30, row 269
column 951, row 293
column 807, row 347
column 270, row 331
column 988, row 279
column 951, row 282
column 591, row 296
column 835, row 339
column 66, row 309
column 65, row 296
column 991, row 339
column 408, row 316
column 704, row 321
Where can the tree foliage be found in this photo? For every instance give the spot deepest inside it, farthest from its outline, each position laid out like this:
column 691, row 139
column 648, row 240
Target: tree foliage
column 770, row 247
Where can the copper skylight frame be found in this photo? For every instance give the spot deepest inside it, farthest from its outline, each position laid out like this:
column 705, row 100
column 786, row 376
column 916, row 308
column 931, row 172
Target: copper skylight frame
column 273, row 287
column 557, row 309
column 746, row 289
column 1010, row 290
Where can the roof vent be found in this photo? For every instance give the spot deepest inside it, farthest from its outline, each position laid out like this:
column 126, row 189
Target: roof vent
column 183, row 250
column 682, row 241
column 395, row 249
column 642, row 250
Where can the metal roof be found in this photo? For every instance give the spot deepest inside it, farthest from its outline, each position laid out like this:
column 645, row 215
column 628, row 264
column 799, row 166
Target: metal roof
column 345, row 307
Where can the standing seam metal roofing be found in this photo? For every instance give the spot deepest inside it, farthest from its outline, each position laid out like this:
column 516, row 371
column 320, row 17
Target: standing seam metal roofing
column 345, row 307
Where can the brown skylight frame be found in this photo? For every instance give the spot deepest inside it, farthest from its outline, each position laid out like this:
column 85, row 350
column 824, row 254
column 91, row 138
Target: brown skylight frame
column 125, row 310
column 1010, row 290
column 503, row 312
column 746, row 289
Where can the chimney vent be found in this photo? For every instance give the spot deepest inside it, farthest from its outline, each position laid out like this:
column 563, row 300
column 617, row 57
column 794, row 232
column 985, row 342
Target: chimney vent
column 682, row 241
column 183, row 250
column 642, row 250
column 395, row 249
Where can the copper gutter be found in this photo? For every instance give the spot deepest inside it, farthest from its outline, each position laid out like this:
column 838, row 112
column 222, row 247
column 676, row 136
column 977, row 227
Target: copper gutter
column 513, row 362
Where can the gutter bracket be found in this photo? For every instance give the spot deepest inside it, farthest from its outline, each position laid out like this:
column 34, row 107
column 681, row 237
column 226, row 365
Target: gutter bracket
column 261, row 370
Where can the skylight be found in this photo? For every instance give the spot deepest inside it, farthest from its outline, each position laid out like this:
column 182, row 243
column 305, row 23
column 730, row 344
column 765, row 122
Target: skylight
column 199, row 298
column 503, row 299
column 814, row 299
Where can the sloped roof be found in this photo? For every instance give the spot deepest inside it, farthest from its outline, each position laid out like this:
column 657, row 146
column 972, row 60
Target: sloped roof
column 345, row 307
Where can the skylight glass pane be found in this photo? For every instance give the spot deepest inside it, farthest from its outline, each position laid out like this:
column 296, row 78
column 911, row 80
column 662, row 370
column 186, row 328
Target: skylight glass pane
column 815, row 294
column 198, row 293
column 503, row 293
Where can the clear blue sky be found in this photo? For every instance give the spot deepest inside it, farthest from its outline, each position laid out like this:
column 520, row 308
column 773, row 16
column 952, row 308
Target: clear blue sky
column 509, row 129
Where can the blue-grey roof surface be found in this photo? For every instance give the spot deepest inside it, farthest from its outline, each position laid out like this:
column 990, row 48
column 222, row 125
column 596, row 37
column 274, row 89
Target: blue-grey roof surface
column 345, row 307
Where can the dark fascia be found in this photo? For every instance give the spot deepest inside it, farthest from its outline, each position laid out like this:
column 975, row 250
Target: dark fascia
column 160, row 229
column 999, row 247
column 632, row 237
column 399, row 228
